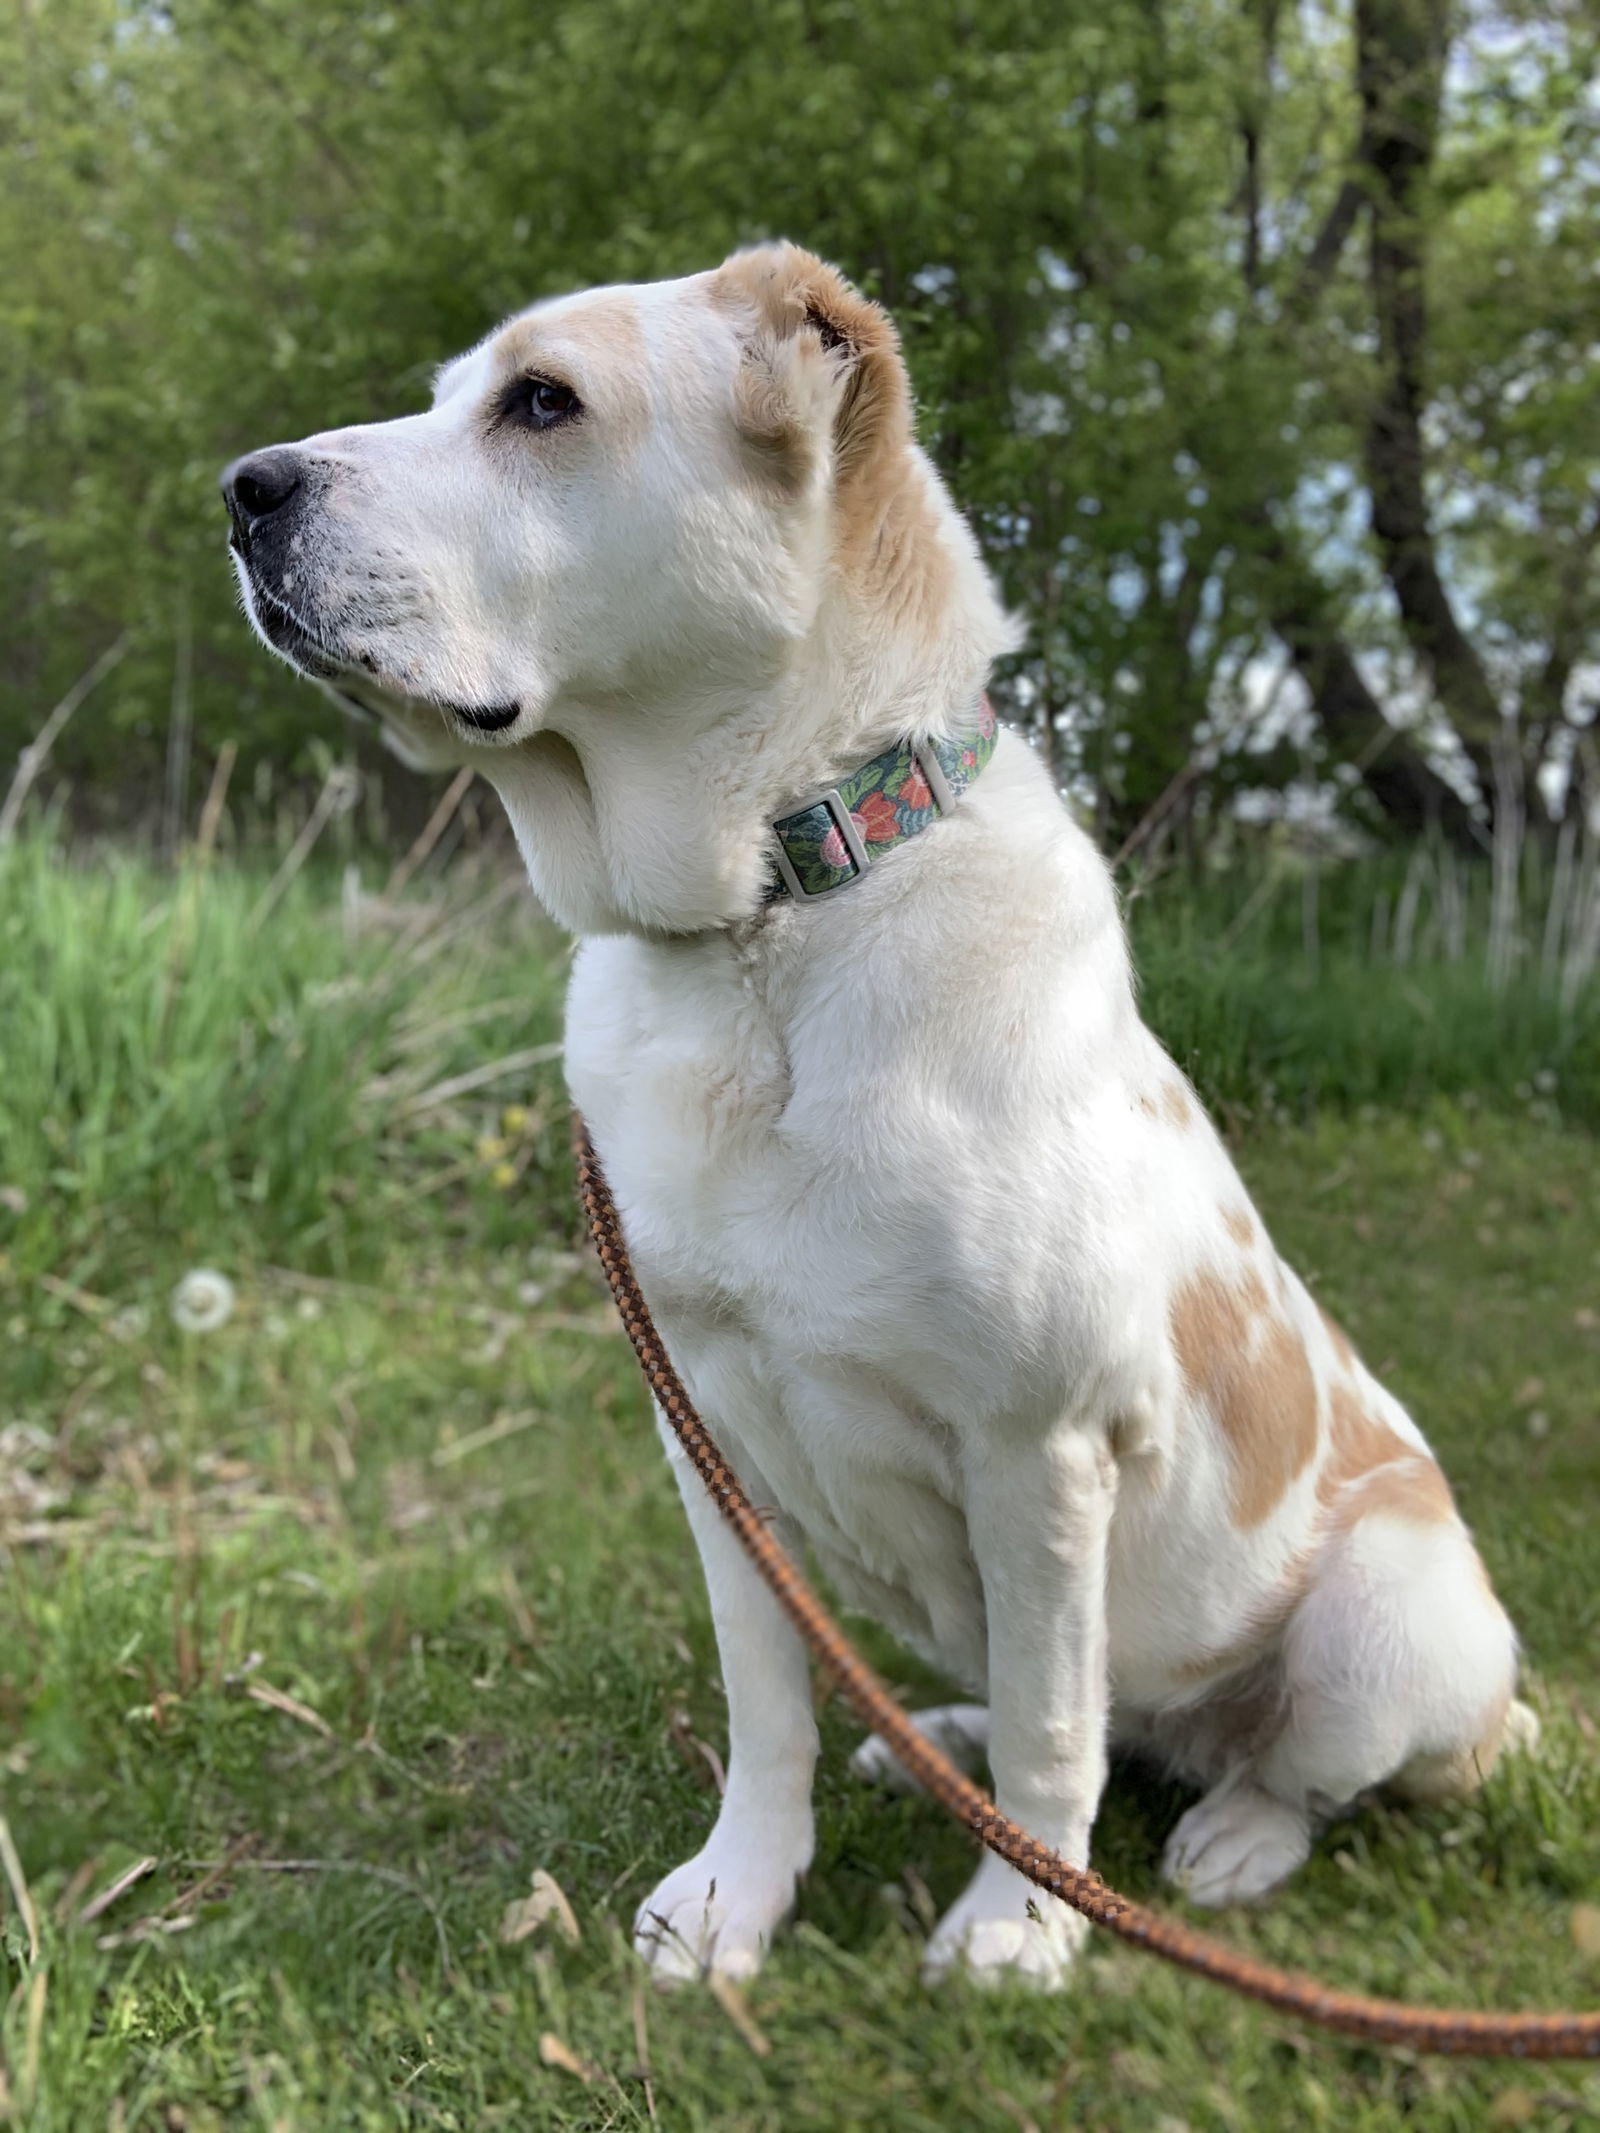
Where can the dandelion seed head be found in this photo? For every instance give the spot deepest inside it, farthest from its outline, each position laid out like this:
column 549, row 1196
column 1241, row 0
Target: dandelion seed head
column 202, row 1301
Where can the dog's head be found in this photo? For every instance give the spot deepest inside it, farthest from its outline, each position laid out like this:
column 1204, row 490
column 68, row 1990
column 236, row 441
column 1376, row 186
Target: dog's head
column 615, row 492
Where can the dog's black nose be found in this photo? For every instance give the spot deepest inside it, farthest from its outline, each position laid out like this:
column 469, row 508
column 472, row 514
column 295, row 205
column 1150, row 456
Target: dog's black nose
column 256, row 486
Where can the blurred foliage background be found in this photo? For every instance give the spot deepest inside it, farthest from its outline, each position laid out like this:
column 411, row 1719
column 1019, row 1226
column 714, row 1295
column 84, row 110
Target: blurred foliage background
column 1258, row 338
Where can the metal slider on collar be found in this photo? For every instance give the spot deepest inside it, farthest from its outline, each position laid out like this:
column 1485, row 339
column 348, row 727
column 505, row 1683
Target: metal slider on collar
column 943, row 799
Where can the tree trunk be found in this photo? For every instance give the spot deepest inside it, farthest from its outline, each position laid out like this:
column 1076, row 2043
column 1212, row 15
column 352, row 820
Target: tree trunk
column 1401, row 46
column 1412, row 795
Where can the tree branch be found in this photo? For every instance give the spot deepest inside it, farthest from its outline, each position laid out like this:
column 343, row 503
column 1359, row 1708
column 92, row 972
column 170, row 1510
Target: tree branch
column 1412, row 795
column 1317, row 268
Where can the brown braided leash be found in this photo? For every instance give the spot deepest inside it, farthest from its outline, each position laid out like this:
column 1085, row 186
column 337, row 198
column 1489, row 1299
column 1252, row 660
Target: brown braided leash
column 1464, row 2032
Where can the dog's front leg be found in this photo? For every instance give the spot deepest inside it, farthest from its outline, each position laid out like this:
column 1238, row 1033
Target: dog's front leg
column 1039, row 1516
column 720, row 1909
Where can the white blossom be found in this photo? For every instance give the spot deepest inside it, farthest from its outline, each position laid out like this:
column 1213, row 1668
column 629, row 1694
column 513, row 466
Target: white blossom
column 202, row 1301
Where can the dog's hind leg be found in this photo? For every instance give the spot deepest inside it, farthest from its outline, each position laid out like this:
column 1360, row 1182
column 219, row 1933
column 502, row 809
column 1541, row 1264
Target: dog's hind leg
column 958, row 1730
column 719, row 1910
column 1398, row 1669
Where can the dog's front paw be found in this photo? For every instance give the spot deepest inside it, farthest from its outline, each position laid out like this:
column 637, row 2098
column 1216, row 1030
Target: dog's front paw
column 1236, row 1844
column 719, row 1910
column 1005, row 1931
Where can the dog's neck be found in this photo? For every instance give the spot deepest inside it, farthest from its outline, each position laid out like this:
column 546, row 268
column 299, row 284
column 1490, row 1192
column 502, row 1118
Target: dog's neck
column 653, row 818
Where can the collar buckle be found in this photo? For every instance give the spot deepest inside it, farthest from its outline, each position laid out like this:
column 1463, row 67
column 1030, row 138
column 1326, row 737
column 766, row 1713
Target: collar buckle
column 849, row 835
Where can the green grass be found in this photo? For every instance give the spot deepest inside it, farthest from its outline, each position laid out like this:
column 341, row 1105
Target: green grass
column 411, row 1486
column 190, row 1071
column 1273, row 1025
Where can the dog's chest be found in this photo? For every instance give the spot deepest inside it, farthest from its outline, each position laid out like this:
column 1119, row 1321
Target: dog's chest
column 824, row 1211
column 816, row 1293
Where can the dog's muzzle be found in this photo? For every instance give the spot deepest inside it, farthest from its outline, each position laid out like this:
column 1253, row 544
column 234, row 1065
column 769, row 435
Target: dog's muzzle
column 267, row 494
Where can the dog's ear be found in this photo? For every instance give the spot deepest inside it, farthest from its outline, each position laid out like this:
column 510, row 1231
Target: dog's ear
column 820, row 363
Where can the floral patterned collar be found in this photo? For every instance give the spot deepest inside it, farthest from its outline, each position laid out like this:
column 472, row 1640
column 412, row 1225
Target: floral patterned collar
column 833, row 840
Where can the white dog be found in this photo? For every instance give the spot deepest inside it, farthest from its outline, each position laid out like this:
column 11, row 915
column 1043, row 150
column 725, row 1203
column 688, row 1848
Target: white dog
column 943, row 1246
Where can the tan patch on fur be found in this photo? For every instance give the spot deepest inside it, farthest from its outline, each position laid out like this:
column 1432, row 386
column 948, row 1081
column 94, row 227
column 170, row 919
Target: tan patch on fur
column 1412, row 1488
column 1250, row 1366
column 1176, row 1106
column 1240, row 1224
column 596, row 345
column 889, row 529
column 776, row 443
column 1371, row 1468
column 1456, row 1773
column 1361, row 1440
column 1340, row 1339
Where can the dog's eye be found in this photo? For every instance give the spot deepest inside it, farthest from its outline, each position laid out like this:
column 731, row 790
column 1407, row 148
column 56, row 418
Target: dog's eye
column 540, row 404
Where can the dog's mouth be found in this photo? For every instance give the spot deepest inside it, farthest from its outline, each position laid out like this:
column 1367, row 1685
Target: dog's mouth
column 302, row 645
column 487, row 718
column 306, row 648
